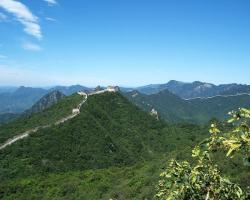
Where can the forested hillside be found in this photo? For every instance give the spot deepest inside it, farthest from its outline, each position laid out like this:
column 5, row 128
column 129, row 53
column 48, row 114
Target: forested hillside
column 109, row 132
column 48, row 116
column 199, row 110
column 112, row 149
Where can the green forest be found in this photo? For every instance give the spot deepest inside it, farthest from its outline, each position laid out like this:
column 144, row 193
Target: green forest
column 112, row 150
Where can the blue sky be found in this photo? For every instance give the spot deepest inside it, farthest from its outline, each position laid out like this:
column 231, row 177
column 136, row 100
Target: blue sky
column 124, row 42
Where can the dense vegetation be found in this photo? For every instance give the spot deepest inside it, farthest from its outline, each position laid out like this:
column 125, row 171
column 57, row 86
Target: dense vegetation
column 111, row 150
column 8, row 117
column 174, row 109
column 110, row 132
column 202, row 179
column 50, row 115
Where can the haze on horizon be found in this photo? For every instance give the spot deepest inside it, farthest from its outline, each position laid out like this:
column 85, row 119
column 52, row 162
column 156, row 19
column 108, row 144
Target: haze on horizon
column 128, row 43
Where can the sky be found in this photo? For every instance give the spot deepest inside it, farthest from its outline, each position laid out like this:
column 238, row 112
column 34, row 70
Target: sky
column 123, row 42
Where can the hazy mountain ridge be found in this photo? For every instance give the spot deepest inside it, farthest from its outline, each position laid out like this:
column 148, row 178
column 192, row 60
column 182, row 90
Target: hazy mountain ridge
column 198, row 110
column 17, row 100
column 46, row 101
column 20, row 100
column 68, row 90
column 23, row 98
column 195, row 89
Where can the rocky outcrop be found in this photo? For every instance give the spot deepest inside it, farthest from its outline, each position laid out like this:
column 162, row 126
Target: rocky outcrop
column 46, row 101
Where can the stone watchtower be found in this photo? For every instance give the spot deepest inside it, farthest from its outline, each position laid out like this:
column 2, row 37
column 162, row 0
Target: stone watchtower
column 113, row 89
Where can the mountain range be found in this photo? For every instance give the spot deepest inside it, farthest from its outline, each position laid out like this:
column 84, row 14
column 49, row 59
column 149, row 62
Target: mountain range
column 172, row 108
column 176, row 101
column 195, row 89
column 20, row 99
column 111, row 149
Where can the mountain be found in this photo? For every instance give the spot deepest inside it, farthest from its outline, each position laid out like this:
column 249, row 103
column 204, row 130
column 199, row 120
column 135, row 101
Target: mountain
column 46, row 101
column 109, row 131
column 7, row 89
column 112, row 149
column 195, row 89
column 8, row 117
column 20, row 100
column 17, row 100
column 68, row 90
column 150, row 89
column 199, row 110
column 171, row 107
column 100, row 150
column 50, row 115
column 201, row 89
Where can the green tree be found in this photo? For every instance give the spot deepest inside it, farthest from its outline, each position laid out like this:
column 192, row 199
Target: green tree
column 203, row 180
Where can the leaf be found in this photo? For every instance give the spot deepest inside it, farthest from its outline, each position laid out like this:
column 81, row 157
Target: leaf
column 231, row 120
column 233, row 148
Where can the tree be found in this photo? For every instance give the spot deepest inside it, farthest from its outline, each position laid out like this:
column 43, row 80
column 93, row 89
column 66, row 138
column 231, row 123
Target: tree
column 203, row 180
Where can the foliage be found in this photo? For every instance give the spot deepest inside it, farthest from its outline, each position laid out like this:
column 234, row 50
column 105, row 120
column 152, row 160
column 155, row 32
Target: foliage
column 48, row 116
column 111, row 150
column 8, row 117
column 109, row 133
column 135, row 182
column 203, row 180
column 199, row 111
column 236, row 139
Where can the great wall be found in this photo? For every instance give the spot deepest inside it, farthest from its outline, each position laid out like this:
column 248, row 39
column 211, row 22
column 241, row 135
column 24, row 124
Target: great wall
column 75, row 112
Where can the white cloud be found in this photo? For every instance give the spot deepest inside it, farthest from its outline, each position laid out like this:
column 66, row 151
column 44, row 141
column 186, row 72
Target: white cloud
column 51, row 19
column 31, row 46
column 51, row 2
column 3, row 17
column 24, row 16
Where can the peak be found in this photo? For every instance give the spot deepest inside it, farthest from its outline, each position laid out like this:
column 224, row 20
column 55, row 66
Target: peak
column 47, row 101
column 172, row 82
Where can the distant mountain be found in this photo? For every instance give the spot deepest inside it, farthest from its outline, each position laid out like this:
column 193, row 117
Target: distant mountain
column 8, row 117
column 199, row 110
column 195, row 89
column 151, row 89
column 68, row 90
column 46, row 101
column 17, row 100
column 201, row 89
column 7, row 89
column 171, row 107
column 20, row 100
